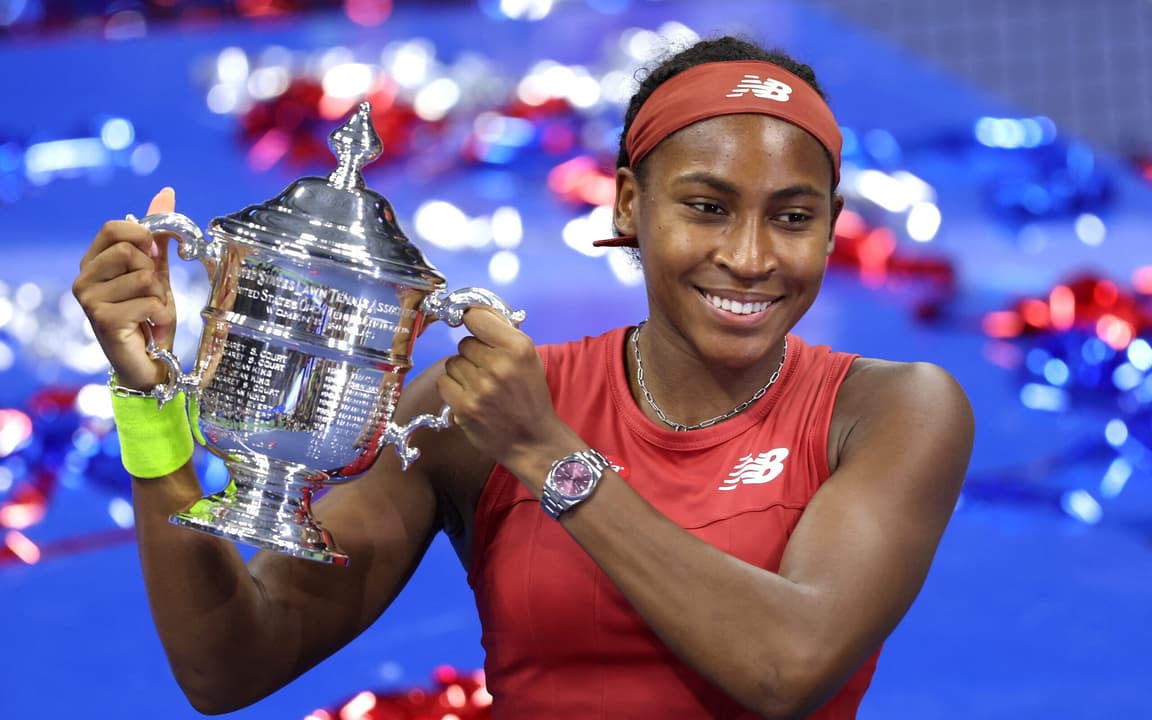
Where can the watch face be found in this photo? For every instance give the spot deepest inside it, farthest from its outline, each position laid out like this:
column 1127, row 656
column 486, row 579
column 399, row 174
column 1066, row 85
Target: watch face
column 571, row 478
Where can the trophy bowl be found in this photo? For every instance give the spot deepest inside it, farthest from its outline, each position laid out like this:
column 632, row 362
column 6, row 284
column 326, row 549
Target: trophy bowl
column 316, row 300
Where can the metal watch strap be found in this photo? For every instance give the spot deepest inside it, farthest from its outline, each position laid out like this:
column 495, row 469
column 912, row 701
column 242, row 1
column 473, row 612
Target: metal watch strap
column 125, row 392
column 552, row 502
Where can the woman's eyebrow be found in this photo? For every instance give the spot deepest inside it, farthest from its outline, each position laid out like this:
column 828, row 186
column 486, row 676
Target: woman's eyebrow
column 713, row 181
column 798, row 191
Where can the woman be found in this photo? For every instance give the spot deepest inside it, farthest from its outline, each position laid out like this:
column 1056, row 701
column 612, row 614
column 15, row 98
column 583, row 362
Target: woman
column 733, row 520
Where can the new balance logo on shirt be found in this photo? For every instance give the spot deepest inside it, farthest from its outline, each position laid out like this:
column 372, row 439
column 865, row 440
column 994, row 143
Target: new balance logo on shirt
column 756, row 470
column 748, row 470
column 767, row 88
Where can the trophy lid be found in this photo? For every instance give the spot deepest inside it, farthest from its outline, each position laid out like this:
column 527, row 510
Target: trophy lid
column 337, row 218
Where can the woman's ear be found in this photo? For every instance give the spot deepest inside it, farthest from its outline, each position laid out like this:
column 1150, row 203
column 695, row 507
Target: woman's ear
column 626, row 193
column 837, row 207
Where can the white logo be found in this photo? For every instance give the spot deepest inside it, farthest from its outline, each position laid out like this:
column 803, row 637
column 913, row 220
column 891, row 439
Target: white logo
column 767, row 88
column 756, row 470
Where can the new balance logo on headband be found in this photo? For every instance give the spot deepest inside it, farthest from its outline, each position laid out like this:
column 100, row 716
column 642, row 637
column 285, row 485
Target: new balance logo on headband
column 767, row 88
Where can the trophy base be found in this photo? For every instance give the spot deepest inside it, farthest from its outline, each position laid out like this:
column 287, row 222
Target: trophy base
column 243, row 513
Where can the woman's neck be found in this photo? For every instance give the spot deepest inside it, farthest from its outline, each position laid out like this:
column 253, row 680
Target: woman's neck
column 676, row 388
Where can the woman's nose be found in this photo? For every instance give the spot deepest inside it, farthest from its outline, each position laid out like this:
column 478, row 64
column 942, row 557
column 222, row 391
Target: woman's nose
column 748, row 251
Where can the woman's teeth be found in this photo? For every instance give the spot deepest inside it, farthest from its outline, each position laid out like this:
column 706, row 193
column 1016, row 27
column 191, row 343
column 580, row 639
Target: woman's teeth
column 735, row 306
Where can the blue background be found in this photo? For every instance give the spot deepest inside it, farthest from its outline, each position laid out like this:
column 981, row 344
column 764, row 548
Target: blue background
column 1029, row 611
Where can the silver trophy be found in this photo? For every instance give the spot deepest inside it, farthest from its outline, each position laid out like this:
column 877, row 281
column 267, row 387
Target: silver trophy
column 317, row 298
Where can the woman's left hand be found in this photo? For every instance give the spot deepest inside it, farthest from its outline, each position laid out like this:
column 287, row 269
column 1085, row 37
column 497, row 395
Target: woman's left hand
column 497, row 390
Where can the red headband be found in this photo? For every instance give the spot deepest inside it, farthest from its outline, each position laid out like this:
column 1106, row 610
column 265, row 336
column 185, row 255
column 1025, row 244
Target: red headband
column 729, row 88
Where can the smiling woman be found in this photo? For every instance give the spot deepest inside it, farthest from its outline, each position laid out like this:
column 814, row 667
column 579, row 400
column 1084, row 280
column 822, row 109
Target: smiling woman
column 733, row 520
column 775, row 531
column 734, row 215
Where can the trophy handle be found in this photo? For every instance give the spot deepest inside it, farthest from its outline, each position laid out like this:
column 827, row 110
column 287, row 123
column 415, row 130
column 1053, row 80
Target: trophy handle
column 192, row 246
column 398, row 435
column 449, row 307
column 176, row 380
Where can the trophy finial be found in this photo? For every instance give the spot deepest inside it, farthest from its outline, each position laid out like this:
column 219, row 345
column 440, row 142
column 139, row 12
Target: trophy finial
column 355, row 144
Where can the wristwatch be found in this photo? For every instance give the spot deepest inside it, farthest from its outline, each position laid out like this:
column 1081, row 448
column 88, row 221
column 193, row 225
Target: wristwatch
column 571, row 480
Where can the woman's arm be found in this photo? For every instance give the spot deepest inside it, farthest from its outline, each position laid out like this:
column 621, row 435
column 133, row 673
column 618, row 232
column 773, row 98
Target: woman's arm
column 234, row 633
column 780, row 643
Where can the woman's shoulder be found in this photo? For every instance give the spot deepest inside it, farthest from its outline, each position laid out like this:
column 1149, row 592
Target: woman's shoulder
column 583, row 344
column 872, row 381
column 870, row 374
column 582, row 355
column 904, row 397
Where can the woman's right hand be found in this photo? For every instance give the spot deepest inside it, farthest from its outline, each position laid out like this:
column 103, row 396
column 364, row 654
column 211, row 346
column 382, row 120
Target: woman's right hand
column 123, row 284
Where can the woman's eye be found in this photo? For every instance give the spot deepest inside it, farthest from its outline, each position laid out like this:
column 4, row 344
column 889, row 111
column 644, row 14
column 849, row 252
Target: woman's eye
column 794, row 218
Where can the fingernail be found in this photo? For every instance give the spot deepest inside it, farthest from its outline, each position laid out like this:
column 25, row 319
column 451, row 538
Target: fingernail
column 154, row 251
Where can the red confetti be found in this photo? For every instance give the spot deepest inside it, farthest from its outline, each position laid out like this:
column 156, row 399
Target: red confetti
column 875, row 254
column 582, row 181
column 456, row 695
column 1086, row 302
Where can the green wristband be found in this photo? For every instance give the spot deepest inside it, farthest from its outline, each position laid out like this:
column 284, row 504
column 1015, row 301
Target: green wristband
column 154, row 442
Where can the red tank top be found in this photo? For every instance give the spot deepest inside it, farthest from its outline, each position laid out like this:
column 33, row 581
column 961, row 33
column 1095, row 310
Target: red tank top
column 560, row 639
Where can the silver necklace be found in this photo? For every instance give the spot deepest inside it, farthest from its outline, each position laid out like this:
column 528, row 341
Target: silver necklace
column 679, row 427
